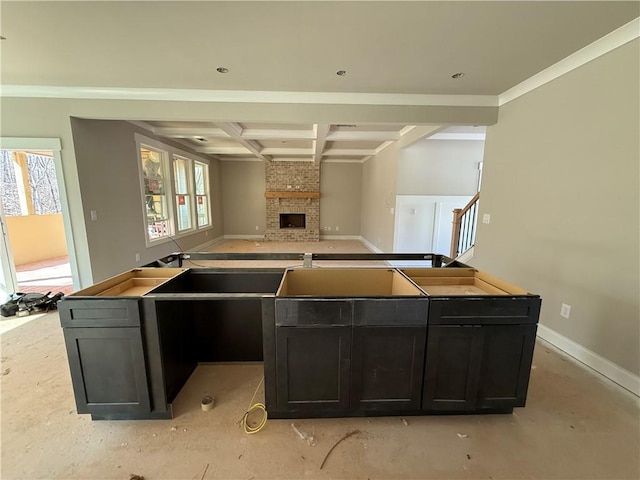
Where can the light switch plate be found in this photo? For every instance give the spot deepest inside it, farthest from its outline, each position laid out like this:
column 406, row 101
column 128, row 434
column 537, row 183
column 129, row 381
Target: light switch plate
column 486, row 218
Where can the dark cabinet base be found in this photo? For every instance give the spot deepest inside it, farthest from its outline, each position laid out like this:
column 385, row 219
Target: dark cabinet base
column 473, row 368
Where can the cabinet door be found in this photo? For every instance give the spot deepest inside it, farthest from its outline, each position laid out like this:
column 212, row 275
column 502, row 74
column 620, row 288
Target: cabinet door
column 507, row 354
column 108, row 370
column 387, row 368
column 313, row 369
column 452, row 367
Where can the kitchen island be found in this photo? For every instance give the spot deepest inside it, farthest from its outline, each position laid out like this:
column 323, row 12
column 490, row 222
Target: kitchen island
column 334, row 341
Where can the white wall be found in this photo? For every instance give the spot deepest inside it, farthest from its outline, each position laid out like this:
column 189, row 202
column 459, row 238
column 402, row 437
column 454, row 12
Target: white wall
column 440, row 167
column 561, row 182
column 424, row 222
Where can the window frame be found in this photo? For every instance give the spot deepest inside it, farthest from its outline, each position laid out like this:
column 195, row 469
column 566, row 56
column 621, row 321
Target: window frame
column 207, row 195
column 190, row 179
column 161, row 149
column 168, row 154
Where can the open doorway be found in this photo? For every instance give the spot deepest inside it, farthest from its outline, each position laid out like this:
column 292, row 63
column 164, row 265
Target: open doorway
column 33, row 225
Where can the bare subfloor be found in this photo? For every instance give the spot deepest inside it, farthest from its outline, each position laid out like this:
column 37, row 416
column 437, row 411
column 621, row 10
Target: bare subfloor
column 575, row 425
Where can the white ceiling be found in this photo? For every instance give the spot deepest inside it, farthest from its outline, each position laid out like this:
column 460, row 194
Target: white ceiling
column 402, row 48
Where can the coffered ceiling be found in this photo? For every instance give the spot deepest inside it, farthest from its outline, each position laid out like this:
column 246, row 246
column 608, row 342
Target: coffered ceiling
column 281, row 142
column 393, row 55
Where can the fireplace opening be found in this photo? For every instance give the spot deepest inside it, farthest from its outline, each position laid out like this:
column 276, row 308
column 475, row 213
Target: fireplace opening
column 292, row 220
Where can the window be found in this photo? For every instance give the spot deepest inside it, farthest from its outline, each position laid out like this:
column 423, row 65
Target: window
column 183, row 192
column 28, row 184
column 175, row 191
column 154, row 170
column 202, row 194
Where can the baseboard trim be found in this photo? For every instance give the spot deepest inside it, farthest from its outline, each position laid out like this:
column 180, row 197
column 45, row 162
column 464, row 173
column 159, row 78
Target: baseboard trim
column 244, row 237
column 370, row 246
column 610, row 370
column 340, row 237
column 208, row 244
column 467, row 255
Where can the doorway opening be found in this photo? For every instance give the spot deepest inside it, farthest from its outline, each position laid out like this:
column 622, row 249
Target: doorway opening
column 32, row 221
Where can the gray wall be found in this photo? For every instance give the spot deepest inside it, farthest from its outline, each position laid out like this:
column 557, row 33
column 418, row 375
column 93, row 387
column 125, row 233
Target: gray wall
column 244, row 203
column 49, row 118
column 440, row 167
column 243, row 187
column 379, row 176
column 107, row 162
column 560, row 181
column 340, row 197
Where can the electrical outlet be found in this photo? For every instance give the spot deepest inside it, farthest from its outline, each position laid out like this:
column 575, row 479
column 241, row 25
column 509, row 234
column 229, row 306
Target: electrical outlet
column 486, row 218
column 257, row 227
column 392, row 210
column 94, row 215
column 137, row 257
column 565, row 310
column 337, row 228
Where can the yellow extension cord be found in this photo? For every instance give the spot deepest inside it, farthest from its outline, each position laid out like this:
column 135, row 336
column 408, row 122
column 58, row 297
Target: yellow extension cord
column 252, row 408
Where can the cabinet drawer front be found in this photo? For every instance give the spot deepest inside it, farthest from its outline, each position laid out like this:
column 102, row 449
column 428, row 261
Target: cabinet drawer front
column 390, row 312
column 111, row 312
column 307, row 312
column 479, row 311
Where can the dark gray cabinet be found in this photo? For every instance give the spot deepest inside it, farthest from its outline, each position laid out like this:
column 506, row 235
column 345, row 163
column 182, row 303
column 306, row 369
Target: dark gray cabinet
column 452, row 368
column 387, row 366
column 336, row 342
column 108, row 370
column 313, row 369
column 479, row 353
column 507, row 353
column 106, row 356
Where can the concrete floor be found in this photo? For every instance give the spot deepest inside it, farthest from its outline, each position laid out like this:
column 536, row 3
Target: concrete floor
column 576, row 425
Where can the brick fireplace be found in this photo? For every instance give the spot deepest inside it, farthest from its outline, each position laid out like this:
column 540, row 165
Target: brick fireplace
column 292, row 190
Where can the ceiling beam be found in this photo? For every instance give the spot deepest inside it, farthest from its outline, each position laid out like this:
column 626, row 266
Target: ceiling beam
column 321, row 130
column 336, row 152
column 235, row 131
column 237, row 150
column 286, row 151
column 346, row 136
column 189, row 132
column 274, row 134
column 284, row 159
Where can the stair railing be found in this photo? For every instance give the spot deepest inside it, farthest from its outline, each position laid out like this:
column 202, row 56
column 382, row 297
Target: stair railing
column 464, row 222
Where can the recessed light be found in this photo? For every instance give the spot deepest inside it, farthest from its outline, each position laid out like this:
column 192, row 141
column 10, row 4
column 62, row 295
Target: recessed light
column 457, row 75
column 341, row 73
column 222, row 70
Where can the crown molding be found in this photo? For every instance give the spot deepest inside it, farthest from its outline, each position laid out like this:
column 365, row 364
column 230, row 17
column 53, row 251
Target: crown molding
column 243, row 96
column 602, row 46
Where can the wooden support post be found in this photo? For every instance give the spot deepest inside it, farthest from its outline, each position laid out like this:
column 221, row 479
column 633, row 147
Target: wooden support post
column 455, row 233
column 20, row 158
